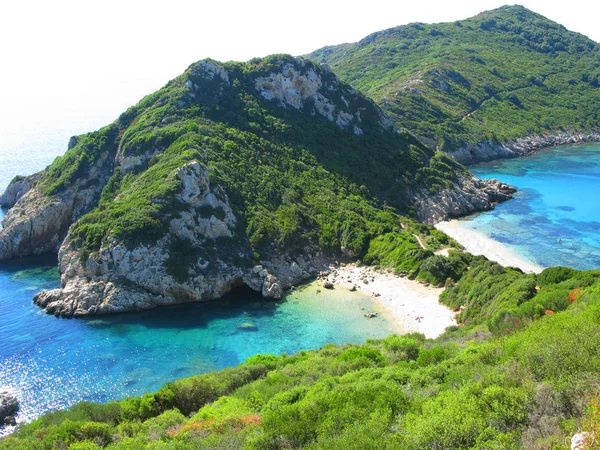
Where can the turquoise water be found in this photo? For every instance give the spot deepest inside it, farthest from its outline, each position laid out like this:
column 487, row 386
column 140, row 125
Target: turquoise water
column 52, row 363
column 555, row 217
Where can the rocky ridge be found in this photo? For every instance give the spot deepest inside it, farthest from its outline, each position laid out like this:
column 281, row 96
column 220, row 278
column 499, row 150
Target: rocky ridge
column 119, row 279
column 488, row 151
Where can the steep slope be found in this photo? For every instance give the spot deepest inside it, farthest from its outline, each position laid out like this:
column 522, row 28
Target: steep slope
column 472, row 85
column 233, row 174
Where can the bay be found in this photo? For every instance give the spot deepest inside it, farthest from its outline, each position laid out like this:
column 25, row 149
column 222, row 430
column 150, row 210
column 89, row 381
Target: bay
column 554, row 219
column 51, row 363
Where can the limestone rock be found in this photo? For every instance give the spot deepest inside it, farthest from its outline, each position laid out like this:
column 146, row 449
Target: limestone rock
column 34, row 225
column 469, row 195
column 580, row 440
column 37, row 223
column 210, row 70
column 300, row 85
column 119, row 278
column 272, row 288
column 17, row 188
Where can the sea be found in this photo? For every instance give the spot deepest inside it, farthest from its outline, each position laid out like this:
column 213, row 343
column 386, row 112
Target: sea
column 554, row 219
column 51, row 363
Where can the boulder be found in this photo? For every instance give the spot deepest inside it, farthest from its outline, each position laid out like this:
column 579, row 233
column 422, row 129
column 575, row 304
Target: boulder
column 580, row 440
column 8, row 406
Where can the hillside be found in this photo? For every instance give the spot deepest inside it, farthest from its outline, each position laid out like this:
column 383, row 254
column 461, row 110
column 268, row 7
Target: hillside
column 473, row 84
column 233, row 174
column 530, row 382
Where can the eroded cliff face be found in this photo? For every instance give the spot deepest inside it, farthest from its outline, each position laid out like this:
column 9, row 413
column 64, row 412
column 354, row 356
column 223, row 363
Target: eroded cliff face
column 120, row 279
column 18, row 187
column 469, row 195
column 37, row 223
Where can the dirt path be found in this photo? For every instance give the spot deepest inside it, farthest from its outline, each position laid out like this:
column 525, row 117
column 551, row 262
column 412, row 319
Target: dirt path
column 420, row 242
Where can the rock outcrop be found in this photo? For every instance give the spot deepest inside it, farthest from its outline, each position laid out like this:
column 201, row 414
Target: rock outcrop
column 17, row 188
column 122, row 279
column 35, row 225
column 8, row 407
column 488, row 151
column 469, row 195
column 581, row 440
column 308, row 89
column 38, row 222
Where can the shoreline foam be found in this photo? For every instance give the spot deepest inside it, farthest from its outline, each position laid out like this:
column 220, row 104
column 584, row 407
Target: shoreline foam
column 478, row 243
column 414, row 306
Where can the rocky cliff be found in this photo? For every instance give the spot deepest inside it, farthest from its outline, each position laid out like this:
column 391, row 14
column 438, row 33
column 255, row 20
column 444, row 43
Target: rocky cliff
column 470, row 195
column 233, row 174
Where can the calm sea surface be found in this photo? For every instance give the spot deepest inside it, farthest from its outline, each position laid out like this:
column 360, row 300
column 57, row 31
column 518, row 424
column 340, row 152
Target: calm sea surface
column 52, row 363
column 555, row 217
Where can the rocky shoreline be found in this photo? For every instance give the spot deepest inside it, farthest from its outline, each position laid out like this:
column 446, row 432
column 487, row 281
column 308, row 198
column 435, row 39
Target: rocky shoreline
column 488, row 151
column 470, row 195
column 9, row 406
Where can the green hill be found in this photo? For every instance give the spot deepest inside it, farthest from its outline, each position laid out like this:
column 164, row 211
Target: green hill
column 233, row 174
column 498, row 76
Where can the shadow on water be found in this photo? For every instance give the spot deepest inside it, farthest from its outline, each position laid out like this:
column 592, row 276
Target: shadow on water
column 32, row 264
column 39, row 272
column 242, row 302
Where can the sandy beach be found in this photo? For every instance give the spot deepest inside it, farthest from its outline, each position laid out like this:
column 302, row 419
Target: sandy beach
column 412, row 305
column 478, row 243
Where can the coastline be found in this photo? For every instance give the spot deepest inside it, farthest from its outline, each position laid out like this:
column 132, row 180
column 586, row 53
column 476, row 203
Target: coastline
column 478, row 243
column 412, row 305
column 523, row 146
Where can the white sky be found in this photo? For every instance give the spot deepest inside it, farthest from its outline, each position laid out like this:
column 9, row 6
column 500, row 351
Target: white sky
column 78, row 64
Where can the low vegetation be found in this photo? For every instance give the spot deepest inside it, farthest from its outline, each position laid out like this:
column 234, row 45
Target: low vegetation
column 500, row 75
column 528, row 380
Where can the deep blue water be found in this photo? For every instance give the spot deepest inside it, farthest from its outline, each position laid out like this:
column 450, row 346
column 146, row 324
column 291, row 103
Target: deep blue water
column 555, row 217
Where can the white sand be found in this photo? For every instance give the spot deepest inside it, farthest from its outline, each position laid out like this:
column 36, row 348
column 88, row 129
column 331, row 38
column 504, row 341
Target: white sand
column 478, row 243
column 412, row 305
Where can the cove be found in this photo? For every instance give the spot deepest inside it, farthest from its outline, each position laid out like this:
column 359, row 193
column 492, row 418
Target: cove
column 554, row 219
column 52, row 363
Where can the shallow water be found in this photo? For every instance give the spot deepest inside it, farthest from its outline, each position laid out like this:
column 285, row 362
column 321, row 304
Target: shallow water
column 555, row 217
column 52, row 363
